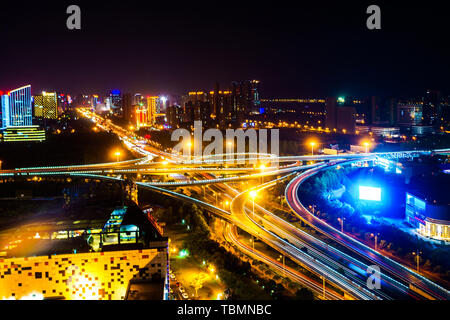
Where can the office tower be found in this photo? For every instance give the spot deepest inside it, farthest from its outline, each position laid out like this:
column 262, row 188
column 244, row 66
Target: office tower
column 345, row 119
column 375, row 110
column 46, row 105
column 116, row 101
column 141, row 116
column 63, row 102
column 16, row 107
column 255, row 95
column 162, row 105
column 127, row 106
column 244, row 98
column 138, row 99
column 153, row 108
column 220, row 104
column 95, row 101
column 392, row 111
column 431, row 107
column 23, row 134
column 330, row 113
column 409, row 113
column 174, row 116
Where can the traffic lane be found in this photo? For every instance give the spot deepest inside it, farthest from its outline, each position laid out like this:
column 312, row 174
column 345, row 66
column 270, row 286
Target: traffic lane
column 354, row 245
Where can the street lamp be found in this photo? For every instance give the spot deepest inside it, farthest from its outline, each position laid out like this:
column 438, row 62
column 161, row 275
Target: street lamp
column 417, row 254
column 262, row 167
column 189, row 147
column 282, row 257
column 341, row 220
column 117, row 154
column 312, row 147
column 376, row 239
column 253, row 195
column 366, row 144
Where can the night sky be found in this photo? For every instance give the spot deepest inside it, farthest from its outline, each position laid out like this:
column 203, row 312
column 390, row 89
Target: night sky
column 173, row 47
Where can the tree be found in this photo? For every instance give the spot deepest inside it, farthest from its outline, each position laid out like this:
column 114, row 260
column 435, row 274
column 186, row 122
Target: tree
column 304, row 294
column 198, row 281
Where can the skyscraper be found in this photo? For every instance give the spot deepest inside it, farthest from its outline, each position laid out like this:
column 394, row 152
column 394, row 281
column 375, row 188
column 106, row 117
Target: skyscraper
column 330, row 113
column 16, row 107
column 116, row 100
column 46, row 105
column 431, row 107
column 153, row 108
column 127, row 105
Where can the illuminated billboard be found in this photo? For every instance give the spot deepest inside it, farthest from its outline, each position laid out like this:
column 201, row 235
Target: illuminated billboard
column 369, row 193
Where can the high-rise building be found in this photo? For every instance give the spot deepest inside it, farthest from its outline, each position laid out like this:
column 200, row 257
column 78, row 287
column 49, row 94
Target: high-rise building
column 141, row 116
column 138, row 99
column 345, row 119
column 116, row 100
column 340, row 118
column 16, row 107
column 409, row 113
column 64, row 102
column 46, row 105
column 174, row 116
column 127, row 106
column 245, row 99
column 330, row 113
column 23, row 134
column 431, row 107
column 153, row 108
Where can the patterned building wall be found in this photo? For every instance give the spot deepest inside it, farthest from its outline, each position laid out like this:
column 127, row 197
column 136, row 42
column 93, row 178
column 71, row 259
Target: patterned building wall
column 90, row 276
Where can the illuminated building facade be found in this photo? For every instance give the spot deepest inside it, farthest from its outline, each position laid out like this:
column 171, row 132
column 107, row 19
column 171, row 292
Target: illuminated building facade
column 46, row 105
column 80, row 276
column 431, row 107
column 222, row 108
column 116, row 100
column 174, row 116
column 431, row 220
column 91, row 260
column 23, row 134
column 409, row 114
column 153, row 108
column 141, row 116
column 16, row 108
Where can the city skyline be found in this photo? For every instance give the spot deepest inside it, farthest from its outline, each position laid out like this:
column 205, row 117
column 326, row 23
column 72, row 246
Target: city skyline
column 247, row 152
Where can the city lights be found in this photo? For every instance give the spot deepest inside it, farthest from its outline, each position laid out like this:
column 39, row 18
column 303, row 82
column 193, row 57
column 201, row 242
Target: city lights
column 183, row 253
column 117, row 154
column 312, row 144
column 369, row 193
column 144, row 165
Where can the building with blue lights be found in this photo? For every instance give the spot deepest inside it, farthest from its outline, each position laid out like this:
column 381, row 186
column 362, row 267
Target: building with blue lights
column 431, row 220
column 427, row 207
column 16, row 108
